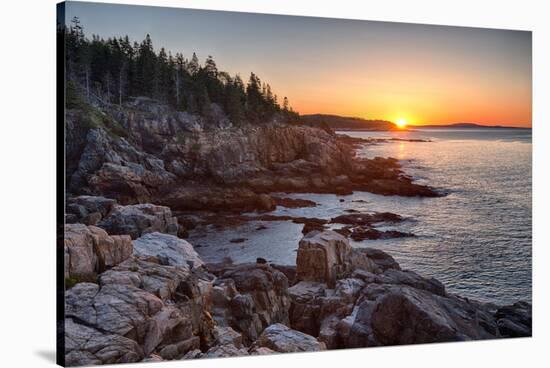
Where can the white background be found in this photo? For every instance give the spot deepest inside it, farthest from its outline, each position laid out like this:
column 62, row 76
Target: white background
column 27, row 184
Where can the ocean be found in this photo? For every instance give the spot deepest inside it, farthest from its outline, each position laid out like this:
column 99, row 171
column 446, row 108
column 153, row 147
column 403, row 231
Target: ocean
column 476, row 239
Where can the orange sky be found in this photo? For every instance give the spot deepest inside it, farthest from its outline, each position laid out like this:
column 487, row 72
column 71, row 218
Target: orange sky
column 375, row 70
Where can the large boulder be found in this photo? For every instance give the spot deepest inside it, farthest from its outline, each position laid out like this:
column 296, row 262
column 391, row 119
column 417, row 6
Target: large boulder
column 391, row 314
column 249, row 298
column 136, row 220
column 327, row 256
column 89, row 250
column 282, row 339
column 168, row 249
column 85, row 345
column 159, row 307
column 515, row 320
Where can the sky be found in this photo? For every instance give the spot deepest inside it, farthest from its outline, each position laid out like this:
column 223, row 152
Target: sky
column 422, row 74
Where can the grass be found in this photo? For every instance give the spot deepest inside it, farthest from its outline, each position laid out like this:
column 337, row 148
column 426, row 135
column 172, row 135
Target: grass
column 92, row 118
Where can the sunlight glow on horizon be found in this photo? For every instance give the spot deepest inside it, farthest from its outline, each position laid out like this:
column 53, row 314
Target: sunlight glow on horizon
column 422, row 74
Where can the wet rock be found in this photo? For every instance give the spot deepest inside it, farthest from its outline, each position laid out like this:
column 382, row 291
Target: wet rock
column 168, row 249
column 139, row 219
column 282, row 339
column 217, row 198
column 365, row 219
column 293, row 202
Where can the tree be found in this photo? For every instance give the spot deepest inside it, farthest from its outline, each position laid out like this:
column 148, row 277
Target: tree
column 193, row 66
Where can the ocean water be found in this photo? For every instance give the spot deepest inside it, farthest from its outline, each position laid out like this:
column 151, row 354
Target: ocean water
column 476, row 240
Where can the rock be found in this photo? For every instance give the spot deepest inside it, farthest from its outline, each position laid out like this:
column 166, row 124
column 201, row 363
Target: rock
column 179, row 349
column 89, row 250
column 261, row 260
column 395, row 315
column 228, row 336
column 217, row 198
column 366, row 219
column 282, row 339
column 410, row 278
column 293, row 202
column 305, row 308
column 139, row 219
column 360, row 233
column 326, row 257
column 80, row 258
column 515, row 320
column 157, row 306
column 89, row 208
column 153, row 358
column 88, row 346
column 224, row 351
column 381, row 258
column 261, row 351
column 288, row 271
column 170, row 250
column 259, row 298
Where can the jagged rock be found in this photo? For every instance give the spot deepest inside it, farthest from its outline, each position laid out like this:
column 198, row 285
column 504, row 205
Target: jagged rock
column 305, row 308
column 402, row 277
column 139, row 219
column 88, row 346
column 217, row 198
column 396, row 314
column 124, row 310
column 411, row 278
column 515, row 320
column 158, row 306
column 89, row 209
column 256, row 295
column 168, row 249
column 179, row 349
column 89, row 249
column 113, row 167
column 153, row 358
column 221, row 351
column 326, row 257
column 282, row 339
column 80, row 258
column 228, row 336
column 261, row 351
column 381, row 258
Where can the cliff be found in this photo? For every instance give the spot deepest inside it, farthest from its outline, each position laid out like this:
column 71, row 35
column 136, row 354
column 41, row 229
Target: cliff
column 145, row 151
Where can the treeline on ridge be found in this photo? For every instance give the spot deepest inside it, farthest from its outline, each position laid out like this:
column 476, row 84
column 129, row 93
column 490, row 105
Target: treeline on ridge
column 116, row 69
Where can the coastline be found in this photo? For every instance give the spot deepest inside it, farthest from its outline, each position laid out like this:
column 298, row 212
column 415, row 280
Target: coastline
column 135, row 200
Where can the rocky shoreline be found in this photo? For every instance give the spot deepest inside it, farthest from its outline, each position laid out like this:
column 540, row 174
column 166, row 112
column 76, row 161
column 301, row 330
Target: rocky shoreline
column 153, row 299
column 139, row 178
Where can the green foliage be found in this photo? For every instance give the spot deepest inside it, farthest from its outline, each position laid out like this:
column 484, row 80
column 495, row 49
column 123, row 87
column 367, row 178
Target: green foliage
column 115, row 69
column 72, row 281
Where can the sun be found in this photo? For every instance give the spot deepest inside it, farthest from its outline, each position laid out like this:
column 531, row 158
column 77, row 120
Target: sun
column 401, row 123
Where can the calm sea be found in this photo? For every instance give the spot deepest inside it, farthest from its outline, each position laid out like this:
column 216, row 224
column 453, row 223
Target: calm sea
column 476, row 240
